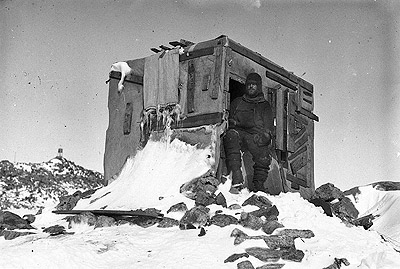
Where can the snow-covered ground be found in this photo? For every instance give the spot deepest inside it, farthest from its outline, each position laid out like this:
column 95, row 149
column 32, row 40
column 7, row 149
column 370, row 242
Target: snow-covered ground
column 152, row 179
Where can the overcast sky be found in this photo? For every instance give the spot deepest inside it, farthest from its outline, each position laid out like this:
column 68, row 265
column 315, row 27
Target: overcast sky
column 56, row 56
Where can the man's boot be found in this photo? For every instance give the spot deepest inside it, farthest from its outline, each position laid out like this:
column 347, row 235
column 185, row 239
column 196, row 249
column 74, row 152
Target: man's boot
column 237, row 181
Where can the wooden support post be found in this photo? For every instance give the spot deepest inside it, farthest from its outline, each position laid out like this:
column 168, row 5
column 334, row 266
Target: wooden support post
column 191, row 86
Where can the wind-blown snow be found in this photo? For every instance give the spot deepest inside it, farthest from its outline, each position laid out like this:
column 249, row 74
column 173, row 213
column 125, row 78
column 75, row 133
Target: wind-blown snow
column 153, row 177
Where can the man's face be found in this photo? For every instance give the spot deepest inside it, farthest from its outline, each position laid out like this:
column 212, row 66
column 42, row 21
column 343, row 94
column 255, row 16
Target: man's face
column 251, row 88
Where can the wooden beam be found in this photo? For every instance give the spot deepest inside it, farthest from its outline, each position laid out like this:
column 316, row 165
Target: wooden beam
column 131, row 78
column 196, row 53
column 296, row 180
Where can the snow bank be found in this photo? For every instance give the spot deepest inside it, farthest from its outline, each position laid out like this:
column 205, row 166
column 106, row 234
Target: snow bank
column 385, row 206
column 153, row 177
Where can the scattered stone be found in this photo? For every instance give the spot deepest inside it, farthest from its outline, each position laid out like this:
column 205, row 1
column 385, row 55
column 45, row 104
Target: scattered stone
column 239, row 235
column 168, row 223
column 296, row 233
column 87, row 194
column 202, row 232
column 180, row 207
column 235, row 257
column 104, row 221
column 144, row 221
column 152, row 211
column 292, row 254
column 250, row 221
column 245, row 265
column 10, row 235
column 234, row 207
column 256, row 200
column 270, row 226
column 197, row 216
column 55, row 230
column 271, row 266
column 326, row 206
column 264, row 254
column 223, row 220
column 206, row 183
column 29, row 218
column 11, row 221
column 365, row 221
column 221, row 200
column 270, row 213
column 279, row 242
column 345, row 210
column 70, row 201
column 83, row 218
column 205, row 198
column 338, row 263
column 328, row 192
column 186, row 226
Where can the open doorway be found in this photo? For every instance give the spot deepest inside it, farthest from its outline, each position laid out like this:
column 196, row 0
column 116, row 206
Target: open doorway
column 236, row 89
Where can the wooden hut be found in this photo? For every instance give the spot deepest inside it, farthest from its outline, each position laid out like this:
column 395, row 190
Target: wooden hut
column 200, row 80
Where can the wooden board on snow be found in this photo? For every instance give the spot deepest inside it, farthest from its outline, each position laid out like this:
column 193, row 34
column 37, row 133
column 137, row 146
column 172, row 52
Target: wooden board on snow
column 130, row 213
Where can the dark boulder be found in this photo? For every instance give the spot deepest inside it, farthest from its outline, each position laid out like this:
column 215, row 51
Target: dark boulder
column 292, row 254
column 328, row 192
column 345, row 210
column 205, row 198
column 235, row 257
column 11, row 221
column 295, row 233
column 279, row 242
column 270, row 226
column 221, row 200
column 69, row 202
column 270, row 213
column 271, row 266
column 180, row 207
column 198, row 216
column 104, row 221
column 168, row 223
column 55, row 230
column 245, row 265
column 326, row 206
column 257, row 200
column 10, row 235
column 264, row 254
column 250, row 221
column 223, row 220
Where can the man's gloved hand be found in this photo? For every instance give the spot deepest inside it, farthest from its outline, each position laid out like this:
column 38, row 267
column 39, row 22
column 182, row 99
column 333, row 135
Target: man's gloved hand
column 262, row 139
column 231, row 122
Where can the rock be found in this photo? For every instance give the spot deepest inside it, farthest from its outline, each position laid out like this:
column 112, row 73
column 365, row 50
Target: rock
column 197, row 216
column 250, row 221
column 256, row 200
column 345, row 210
column 87, row 194
column 292, row 254
column 202, row 232
column 10, row 235
column 30, row 218
column 270, row 213
column 143, row 221
column 69, row 202
column 83, row 218
column 326, row 206
column 338, row 263
column 235, row 257
column 296, row 233
column 279, row 242
column 168, row 223
column 206, row 183
column 270, row 226
column 104, row 221
column 55, row 230
column 328, row 192
column 221, row 200
column 204, row 198
column 245, row 265
column 11, row 221
column 365, row 221
column 239, row 235
column 234, row 207
column 180, row 207
column 271, row 266
column 264, row 254
column 223, row 220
